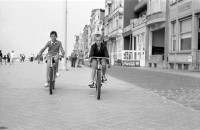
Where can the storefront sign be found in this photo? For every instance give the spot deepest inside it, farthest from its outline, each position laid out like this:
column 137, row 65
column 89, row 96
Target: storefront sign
column 185, row 6
column 131, row 63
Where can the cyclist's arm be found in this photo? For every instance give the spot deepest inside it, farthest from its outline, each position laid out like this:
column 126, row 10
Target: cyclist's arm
column 106, row 52
column 91, row 51
column 43, row 49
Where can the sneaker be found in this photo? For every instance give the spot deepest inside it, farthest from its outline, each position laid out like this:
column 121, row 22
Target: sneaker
column 104, row 78
column 57, row 75
column 46, row 85
column 91, row 84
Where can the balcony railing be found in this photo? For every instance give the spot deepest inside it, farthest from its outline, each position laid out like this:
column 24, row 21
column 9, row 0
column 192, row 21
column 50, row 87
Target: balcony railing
column 115, row 33
column 119, row 10
column 127, row 28
column 132, row 55
column 137, row 22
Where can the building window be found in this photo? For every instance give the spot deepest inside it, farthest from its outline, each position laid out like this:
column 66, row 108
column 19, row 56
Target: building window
column 198, row 40
column 199, row 23
column 185, row 34
column 173, row 36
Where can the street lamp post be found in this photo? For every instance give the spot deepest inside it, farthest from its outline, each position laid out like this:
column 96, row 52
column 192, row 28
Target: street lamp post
column 64, row 61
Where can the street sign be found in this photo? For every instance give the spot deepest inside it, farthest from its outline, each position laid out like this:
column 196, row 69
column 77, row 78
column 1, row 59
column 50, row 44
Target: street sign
column 131, row 63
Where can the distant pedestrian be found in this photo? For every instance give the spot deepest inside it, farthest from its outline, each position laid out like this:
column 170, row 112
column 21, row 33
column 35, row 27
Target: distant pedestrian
column 12, row 57
column 80, row 58
column 23, row 57
column 20, row 57
column 32, row 56
column 73, row 58
column 8, row 58
column 1, row 56
column 4, row 58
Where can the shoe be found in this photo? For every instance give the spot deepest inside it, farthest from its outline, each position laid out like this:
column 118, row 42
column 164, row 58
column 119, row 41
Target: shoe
column 46, row 85
column 57, row 75
column 104, row 78
column 91, row 84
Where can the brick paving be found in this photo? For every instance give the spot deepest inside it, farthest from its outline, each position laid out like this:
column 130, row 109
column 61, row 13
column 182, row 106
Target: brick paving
column 26, row 105
column 182, row 87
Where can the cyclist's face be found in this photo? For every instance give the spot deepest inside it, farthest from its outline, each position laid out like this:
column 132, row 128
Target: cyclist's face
column 53, row 37
column 98, row 39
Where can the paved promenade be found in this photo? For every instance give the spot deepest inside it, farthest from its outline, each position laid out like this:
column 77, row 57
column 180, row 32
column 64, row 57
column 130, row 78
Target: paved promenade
column 26, row 105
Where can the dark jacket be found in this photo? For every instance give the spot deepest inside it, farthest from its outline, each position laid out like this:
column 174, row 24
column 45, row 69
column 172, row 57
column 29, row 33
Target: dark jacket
column 103, row 52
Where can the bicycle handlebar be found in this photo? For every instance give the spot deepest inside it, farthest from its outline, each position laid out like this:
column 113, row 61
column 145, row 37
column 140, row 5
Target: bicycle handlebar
column 52, row 55
column 99, row 58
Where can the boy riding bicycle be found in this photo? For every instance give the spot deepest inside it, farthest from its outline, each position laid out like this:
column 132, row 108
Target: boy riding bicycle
column 54, row 46
column 98, row 49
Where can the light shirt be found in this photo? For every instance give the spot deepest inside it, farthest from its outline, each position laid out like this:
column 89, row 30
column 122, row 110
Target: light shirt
column 12, row 55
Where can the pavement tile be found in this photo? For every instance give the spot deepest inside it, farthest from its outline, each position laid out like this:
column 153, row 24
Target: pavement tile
column 27, row 105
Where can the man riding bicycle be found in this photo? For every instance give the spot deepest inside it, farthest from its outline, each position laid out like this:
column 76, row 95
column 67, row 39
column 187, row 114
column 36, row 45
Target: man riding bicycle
column 54, row 46
column 98, row 49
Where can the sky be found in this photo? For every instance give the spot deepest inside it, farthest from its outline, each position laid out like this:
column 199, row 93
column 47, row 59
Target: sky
column 25, row 25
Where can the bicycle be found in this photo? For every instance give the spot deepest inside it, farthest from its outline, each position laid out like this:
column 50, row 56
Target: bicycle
column 98, row 78
column 52, row 71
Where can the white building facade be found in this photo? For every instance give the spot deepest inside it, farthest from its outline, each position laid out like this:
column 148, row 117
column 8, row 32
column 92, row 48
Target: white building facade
column 113, row 28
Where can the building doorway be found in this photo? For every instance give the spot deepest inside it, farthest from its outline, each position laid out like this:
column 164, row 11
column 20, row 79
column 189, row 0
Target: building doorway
column 158, row 40
column 128, row 42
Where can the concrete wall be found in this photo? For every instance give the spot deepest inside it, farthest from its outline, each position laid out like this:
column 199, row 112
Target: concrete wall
column 128, row 11
column 180, row 10
column 183, row 58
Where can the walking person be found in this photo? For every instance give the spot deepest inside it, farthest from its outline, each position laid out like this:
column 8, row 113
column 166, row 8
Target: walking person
column 1, row 56
column 23, row 57
column 80, row 58
column 20, row 58
column 12, row 57
column 4, row 58
column 73, row 58
column 8, row 58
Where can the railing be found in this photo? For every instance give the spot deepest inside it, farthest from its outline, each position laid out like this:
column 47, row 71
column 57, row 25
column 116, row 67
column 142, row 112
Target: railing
column 132, row 55
column 127, row 28
column 137, row 22
column 119, row 10
column 115, row 33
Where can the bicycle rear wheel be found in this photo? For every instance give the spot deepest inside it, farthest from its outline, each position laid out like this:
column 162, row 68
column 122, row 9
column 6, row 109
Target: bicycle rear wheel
column 98, row 84
column 51, row 80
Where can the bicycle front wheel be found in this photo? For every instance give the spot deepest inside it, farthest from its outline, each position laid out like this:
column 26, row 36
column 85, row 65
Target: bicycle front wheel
column 98, row 84
column 51, row 80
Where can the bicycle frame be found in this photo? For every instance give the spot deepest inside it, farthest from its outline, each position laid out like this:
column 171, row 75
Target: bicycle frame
column 51, row 71
column 98, row 75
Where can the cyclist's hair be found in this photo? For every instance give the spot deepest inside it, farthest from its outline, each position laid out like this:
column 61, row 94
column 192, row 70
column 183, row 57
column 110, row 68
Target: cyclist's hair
column 53, row 32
